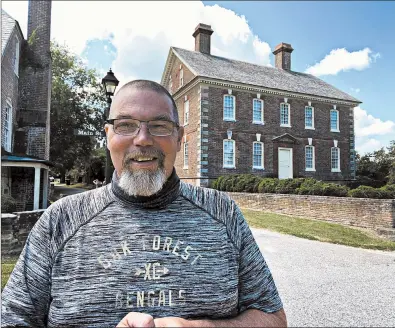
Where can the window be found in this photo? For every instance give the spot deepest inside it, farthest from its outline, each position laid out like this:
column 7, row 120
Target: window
column 257, row 111
column 310, row 158
column 16, row 57
column 309, row 117
column 335, row 159
column 229, row 153
column 257, row 157
column 334, row 120
column 186, row 155
column 186, row 112
column 285, row 115
column 7, row 126
column 170, row 84
column 229, row 108
column 181, row 77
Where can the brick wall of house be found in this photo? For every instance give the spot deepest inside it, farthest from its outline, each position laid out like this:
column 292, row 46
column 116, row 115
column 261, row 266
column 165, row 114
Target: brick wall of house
column 9, row 81
column 175, row 75
column 22, row 188
column 359, row 212
column 191, row 135
column 244, row 133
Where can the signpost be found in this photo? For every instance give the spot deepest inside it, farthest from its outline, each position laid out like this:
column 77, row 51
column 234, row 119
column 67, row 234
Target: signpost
column 88, row 133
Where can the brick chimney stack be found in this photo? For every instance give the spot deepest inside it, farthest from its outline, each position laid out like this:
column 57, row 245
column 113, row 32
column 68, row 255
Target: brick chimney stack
column 282, row 54
column 202, row 37
column 33, row 134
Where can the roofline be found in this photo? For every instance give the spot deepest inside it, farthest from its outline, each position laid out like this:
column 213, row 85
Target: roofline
column 262, row 90
column 16, row 23
column 169, row 61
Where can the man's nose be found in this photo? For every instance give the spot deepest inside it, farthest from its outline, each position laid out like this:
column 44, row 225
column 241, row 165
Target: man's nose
column 143, row 137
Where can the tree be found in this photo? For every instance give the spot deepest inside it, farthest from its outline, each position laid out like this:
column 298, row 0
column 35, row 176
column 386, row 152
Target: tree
column 77, row 103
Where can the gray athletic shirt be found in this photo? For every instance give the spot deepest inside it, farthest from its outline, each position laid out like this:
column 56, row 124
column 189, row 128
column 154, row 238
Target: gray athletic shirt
column 93, row 257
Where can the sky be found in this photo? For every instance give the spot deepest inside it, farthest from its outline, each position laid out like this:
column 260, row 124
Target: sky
column 349, row 44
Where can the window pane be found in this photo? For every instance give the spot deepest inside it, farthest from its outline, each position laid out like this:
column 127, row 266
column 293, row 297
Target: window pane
column 309, row 117
column 228, row 107
column 257, row 155
column 257, row 111
column 309, row 157
column 185, row 154
column 334, row 125
column 228, row 153
column 284, row 119
column 335, row 158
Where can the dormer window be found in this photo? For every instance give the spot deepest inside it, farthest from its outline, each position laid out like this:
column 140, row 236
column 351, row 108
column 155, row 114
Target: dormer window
column 181, row 77
column 16, row 57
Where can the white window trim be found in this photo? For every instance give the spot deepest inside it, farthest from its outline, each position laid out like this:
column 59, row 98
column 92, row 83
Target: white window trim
column 16, row 56
column 262, row 122
column 312, row 118
column 289, row 115
column 306, row 168
column 223, row 154
column 337, row 123
column 186, row 117
column 262, row 166
column 8, row 145
column 338, row 161
column 181, row 77
column 170, row 84
column 187, row 153
column 234, row 108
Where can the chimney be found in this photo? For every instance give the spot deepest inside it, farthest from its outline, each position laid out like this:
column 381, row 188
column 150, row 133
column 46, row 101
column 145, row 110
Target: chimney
column 283, row 56
column 202, row 37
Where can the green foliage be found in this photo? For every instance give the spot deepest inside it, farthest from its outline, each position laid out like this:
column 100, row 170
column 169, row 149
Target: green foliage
column 247, row 183
column 268, row 185
column 288, row 186
column 386, row 192
column 8, row 204
column 77, row 103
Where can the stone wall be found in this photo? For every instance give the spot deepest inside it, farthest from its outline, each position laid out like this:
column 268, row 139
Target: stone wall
column 374, row 214
column 15, row 228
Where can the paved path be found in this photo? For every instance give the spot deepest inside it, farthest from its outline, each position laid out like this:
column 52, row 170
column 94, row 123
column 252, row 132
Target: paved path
column 62, row 189
column 330, row 285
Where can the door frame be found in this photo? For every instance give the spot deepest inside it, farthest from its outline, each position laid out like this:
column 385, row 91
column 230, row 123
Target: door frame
column 291, row 160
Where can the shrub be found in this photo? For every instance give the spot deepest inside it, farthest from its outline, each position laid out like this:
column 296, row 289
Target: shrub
column 333, row 189
column 8, row 204
column 288, row 186
column 268, row 185
column 366, row 192
column 247, row 183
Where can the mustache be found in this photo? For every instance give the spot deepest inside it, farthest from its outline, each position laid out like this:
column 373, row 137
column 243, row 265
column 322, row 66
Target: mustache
column 143, row 153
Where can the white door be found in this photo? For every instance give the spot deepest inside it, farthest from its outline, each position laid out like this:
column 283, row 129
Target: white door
column 285, row 163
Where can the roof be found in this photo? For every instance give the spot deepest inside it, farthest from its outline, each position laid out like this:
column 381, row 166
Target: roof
column 7, row 25
column 221, row 68
column 16, row 158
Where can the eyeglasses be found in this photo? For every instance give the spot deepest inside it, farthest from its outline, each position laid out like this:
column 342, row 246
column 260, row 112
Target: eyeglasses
column 131, row 126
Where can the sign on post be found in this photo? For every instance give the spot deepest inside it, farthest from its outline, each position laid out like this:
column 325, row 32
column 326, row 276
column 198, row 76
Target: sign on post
column 87, row 133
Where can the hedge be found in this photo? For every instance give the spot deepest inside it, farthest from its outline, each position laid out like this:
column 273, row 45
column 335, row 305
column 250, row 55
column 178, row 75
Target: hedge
column 299, row 186
column 8, row 204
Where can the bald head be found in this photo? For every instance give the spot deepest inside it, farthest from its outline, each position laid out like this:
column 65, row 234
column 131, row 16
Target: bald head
column 146, row 85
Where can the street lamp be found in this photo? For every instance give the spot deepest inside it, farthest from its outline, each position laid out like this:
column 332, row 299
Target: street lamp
column 110, row 83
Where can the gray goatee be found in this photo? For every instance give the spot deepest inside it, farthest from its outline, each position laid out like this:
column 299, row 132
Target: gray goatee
column 142, row 182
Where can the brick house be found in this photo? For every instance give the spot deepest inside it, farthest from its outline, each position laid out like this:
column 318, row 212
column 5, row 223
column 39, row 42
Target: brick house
column 25, row 107
column 246, row 118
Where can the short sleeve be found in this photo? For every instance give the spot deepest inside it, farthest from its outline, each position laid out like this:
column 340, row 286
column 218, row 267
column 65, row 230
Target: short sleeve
column 257, row 289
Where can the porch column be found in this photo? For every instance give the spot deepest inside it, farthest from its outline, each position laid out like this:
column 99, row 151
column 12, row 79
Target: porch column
column 37, row 172
column 45, row 189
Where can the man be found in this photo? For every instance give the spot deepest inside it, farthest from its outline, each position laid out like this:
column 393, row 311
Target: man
column 146, row 250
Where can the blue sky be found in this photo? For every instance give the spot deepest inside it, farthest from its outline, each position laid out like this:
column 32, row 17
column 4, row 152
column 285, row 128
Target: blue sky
column 348, row 44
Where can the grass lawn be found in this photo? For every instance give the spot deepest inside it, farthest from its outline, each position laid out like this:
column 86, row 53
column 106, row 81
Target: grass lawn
column 7, row 265
column 317, row 230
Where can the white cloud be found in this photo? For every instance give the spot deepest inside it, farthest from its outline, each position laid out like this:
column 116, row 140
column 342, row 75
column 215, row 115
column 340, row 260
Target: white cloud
column 356, row 90
column 143, row 34
column 342, row 60
column 371, row 133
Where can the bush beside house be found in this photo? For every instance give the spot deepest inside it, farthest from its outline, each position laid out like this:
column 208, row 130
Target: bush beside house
column 299, row 186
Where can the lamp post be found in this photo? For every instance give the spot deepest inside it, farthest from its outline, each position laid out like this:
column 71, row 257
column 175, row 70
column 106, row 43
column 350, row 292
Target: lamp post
column 110, row 83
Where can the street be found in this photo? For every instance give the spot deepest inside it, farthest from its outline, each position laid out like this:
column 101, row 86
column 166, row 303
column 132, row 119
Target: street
column 329, row 285
column 61, row 189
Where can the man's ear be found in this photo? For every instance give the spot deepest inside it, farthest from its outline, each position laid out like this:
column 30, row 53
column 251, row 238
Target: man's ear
column 179, row 138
